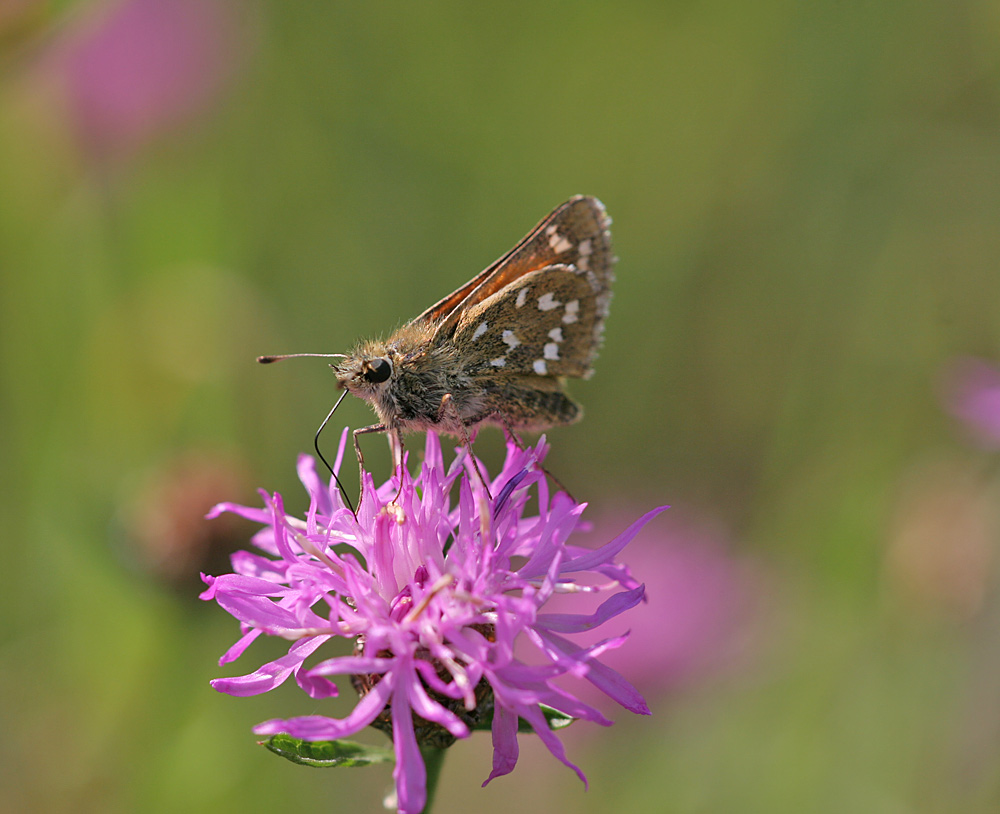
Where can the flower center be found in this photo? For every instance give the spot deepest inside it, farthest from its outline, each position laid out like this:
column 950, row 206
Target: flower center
column 430, row 733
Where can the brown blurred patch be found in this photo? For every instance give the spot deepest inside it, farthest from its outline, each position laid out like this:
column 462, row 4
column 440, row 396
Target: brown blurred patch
column 166, row 532
column 942, row 543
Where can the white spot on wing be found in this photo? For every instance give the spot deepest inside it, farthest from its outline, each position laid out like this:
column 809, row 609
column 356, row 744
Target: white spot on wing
column 558, row 243
column 551, row 351
column 483, row 327
column 511, row 340
column 556, row 335
column 547, row 302
column 584, row 248
column 572, row 312
column 499, row 362
column 540, row 367
column 522, row 295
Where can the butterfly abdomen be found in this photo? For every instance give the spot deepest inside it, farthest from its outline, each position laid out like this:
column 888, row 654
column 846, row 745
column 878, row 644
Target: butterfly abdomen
column 530, row 408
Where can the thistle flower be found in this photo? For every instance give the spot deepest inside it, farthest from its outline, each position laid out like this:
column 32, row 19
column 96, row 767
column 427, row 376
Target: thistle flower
column 433, row 597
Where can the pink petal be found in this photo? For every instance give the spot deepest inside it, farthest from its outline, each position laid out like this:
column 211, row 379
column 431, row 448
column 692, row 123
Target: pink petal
column 505, row 748
column 575, row 623
column 534, row 717
column 320, row 728
column 272, row 674
column 241, row 645
column 608, row 681
column 319, row 495
column 607, row 552
column 409, row 773
column 256, row 515
column 352, row 665
column 259, row 612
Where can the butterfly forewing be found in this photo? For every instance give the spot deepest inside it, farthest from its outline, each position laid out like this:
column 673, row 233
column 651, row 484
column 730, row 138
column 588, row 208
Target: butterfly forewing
column 541, row 325
column 574, row 234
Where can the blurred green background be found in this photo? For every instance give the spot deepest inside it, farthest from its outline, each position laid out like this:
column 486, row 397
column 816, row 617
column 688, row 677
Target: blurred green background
column 806, row 204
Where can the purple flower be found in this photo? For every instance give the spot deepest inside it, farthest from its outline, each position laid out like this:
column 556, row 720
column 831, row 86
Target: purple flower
column 433, row 597
column 973, row 396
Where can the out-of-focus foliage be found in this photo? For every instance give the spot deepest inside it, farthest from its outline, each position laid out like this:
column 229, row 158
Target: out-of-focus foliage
column 806, row 201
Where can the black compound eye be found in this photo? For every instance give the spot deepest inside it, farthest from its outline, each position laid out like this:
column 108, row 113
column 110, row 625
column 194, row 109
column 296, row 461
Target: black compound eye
column 378, row 370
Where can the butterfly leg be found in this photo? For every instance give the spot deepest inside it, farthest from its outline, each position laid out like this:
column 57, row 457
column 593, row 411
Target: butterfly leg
column 396, row 450
column 361, row 458
column 508, row 431
column 448, row 408
column 513, row 436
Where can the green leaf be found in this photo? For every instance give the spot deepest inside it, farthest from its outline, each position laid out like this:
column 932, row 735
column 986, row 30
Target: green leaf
column 327, row 754
column 555, row 718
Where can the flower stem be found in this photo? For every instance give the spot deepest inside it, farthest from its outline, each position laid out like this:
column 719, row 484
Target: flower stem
column 433, row 761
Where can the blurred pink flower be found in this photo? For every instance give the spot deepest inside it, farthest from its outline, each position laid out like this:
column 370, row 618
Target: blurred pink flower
column 142, row 67
column 700, row 604
column 972, row 395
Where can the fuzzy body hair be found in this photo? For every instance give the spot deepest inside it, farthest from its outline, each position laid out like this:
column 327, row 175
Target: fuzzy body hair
column 423, row 373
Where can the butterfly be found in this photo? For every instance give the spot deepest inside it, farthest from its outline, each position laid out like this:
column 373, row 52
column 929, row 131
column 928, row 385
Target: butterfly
column 498, row 349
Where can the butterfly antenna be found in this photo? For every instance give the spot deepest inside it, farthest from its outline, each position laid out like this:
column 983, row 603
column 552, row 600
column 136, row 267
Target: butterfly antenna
column 266, row 360
column 340, row 486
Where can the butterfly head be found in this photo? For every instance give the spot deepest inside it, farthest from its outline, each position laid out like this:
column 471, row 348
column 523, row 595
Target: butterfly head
column 368, row 372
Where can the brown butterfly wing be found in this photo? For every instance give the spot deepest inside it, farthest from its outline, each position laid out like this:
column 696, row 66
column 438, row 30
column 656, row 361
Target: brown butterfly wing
column 546, row 324
column 575, row 234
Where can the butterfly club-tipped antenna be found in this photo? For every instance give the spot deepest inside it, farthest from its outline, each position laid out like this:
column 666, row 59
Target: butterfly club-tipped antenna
column 266, row 360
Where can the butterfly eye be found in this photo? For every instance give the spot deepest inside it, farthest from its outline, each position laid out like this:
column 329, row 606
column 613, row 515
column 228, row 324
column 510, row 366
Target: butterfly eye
column 378, row 370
